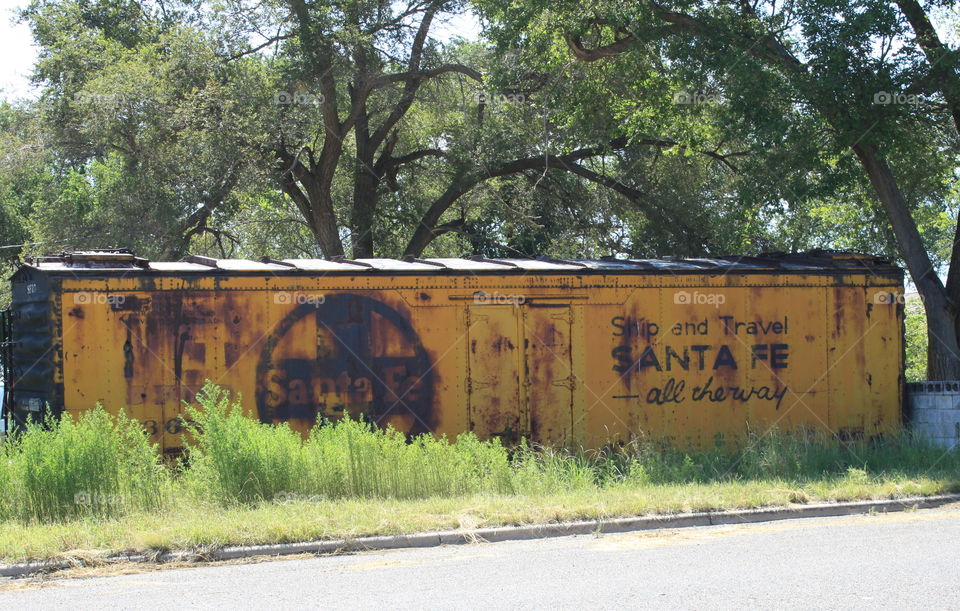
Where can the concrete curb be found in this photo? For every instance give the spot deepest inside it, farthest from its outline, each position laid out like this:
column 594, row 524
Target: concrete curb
column 507, row 533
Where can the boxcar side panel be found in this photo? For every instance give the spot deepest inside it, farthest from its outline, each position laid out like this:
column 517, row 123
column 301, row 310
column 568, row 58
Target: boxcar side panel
column 564, row 359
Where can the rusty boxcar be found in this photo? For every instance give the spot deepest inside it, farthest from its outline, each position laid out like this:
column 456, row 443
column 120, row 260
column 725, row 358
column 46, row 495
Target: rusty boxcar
column 563, row 352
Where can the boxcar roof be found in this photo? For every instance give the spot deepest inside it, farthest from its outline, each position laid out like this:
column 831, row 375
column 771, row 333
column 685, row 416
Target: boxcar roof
column 122, row 262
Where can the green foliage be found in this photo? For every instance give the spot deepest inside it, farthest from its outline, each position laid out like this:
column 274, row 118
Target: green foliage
column 158, row 129
column 26, row 177
column 162, row 127
column 95, row 465
column 141, row 137
column 796, row 185
column 236, row 457
column 915, row 338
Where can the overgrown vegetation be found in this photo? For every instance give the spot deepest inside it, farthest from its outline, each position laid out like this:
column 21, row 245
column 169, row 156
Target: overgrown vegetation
column 100, row 466
column 238, row 459
column 96, row 465
column 915, row 340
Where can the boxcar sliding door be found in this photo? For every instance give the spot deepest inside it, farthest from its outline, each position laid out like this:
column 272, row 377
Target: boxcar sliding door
column 549, row 378
column 493, row 378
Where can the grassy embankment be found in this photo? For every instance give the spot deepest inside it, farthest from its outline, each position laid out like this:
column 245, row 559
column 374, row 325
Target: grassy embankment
column 94, row 485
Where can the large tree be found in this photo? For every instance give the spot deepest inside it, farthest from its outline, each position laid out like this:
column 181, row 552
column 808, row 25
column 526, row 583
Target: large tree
column 196, row 124
column 367, row 67
column 144, row 124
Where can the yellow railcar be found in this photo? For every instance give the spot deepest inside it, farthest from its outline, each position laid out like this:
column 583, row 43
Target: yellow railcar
column 562, row 352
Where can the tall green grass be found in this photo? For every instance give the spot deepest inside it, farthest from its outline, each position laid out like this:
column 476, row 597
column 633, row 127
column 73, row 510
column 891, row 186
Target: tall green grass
column 234, row 458
column 97, row 464
column 101, row 465
column 777, row 455
column 237, row 459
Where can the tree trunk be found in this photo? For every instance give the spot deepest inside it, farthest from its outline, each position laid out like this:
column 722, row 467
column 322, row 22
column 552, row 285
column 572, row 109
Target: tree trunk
column 365, row 197
column 318, row 182
column 943, row 69
column 322, row 218
column 324, row 226
column 943, row 350
column 366, row 184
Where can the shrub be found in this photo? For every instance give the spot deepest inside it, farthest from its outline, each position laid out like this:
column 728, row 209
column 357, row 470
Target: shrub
column 236, row 458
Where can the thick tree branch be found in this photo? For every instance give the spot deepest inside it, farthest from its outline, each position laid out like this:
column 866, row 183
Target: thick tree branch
column 424, row 233
column 458, row 226
column 575, row 43
column 649, row 207
column 466, row 181
column 412, row 86
column 265, row 44
column 767, row 48
column 942, row 60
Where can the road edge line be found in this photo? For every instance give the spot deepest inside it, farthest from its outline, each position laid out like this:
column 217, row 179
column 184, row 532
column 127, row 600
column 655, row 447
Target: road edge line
column 507, row 533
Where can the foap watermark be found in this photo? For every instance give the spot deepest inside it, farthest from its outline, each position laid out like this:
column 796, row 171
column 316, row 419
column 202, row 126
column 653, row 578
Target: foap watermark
column 297, row 98
column 87, row 298
column 285, row 498
column 491, row 98
column 88, row 499
column 886, row 98
column 888, row 298
column 298, row 298
column 697, row 298
column 696, row 97
column 497, row 298
column 107, row 100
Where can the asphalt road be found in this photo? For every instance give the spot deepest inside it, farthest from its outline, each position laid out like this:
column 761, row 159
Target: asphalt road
column 900, row 560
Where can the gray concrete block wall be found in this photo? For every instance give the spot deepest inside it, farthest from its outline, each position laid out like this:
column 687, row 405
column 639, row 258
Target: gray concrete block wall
column 934, row 411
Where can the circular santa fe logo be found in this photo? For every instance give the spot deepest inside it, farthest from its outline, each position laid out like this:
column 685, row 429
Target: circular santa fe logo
column 345, row 354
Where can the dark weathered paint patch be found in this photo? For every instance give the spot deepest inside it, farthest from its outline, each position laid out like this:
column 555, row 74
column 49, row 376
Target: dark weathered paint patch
column 128, row 303
column 376, row 385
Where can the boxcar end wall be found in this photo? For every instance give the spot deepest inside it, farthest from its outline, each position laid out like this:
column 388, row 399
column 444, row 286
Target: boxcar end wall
column 561, row 352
